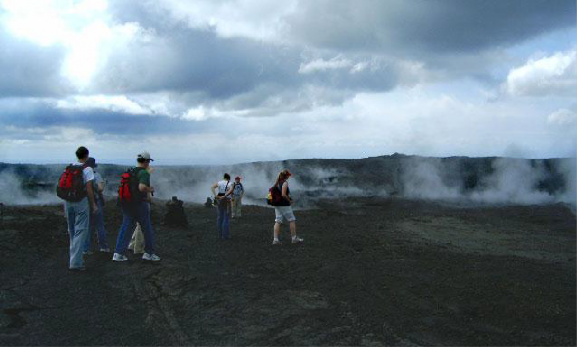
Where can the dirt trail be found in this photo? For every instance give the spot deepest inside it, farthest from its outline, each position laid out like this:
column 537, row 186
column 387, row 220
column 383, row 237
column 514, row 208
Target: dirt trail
column 371, row 272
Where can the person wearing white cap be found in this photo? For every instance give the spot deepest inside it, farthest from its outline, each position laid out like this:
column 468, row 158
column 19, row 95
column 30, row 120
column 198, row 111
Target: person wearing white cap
column 139, row 212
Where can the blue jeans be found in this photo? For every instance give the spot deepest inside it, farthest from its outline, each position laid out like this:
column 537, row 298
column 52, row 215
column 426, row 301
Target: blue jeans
column 97, row 224
column 78, row 218
column 130, row 215
column 222, row 219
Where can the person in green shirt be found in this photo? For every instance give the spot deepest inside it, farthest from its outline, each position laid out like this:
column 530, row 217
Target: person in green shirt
column 139, row 213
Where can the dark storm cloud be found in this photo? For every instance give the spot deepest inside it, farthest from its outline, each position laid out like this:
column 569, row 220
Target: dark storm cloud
column 424, row 27
column 43, row 116
column 193, row 60
column 29, row 70
column 198, row 67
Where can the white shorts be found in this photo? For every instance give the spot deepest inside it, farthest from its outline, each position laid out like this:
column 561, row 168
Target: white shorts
column 284, row 212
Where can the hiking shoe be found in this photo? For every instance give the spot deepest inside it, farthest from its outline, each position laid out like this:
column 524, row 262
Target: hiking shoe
column 119, row 257
column 105, row 250
column 297, row 240
column 150, row 257
column 276, row 242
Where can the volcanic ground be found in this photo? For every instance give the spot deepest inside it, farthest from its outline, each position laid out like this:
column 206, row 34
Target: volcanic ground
column 372, row 271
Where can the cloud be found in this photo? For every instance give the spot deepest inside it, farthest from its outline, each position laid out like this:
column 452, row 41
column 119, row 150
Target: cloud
column 554, row 74
column 443, row 27
column 27, row 69
column 112, row 103
column 344, row 79
column 335, row 63
column 82, row 30
column 563, row 117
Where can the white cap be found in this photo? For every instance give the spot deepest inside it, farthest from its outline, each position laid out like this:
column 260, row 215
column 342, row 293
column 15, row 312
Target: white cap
column 144, row 155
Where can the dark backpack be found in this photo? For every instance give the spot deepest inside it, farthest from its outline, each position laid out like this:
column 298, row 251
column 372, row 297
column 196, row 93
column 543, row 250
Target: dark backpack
column 128, row 192
column 71, row 185
column 274, row 197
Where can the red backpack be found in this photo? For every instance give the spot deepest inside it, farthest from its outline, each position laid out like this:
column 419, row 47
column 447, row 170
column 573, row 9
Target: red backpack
column 71, row 185
column 128, row 192
column 274, row 197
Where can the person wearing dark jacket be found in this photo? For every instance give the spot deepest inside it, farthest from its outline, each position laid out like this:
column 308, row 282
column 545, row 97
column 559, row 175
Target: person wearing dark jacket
column 283, row 210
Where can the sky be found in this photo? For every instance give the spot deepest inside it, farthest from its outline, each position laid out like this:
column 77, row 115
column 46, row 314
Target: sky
column 229, row 81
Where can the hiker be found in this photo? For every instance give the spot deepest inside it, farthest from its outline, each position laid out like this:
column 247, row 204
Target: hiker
column 97, row 218
column 223, row 201
column 282, row 208
column 237, row 194
column 135, row 196
column 175, row 215
column 75, row 186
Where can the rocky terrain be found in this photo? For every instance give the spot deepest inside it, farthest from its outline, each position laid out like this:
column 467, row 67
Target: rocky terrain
column 372, row 271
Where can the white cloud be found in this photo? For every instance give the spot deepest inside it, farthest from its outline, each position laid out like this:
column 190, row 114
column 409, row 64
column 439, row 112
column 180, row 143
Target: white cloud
column 257, row 19
column 84, row 28
column 563, row 117
column 555, row 74
column 320, row 64
column 114, row 103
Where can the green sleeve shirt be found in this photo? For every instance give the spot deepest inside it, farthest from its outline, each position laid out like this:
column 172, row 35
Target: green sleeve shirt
column 144, row 177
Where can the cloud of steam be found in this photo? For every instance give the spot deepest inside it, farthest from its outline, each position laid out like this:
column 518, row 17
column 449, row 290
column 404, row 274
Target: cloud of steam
column 13, row 192
column 463, row 180
column 307, row 184
column 505, row 181
column 423, row 179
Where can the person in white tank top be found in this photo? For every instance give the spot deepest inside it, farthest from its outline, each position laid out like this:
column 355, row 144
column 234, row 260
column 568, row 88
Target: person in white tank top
column 225, row 189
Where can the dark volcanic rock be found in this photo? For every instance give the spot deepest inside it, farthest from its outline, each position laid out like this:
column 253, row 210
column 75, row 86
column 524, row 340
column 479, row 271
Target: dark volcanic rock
column 371, row 271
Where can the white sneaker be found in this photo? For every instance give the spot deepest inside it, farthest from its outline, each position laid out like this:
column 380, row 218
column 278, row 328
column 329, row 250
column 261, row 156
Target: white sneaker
column 297, row 240
column 105, row 250
column 276, row 242
column 150, row 257
column 119, row 257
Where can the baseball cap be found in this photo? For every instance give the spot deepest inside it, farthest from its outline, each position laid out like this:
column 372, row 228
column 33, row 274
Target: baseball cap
column 144, row 155
column 237, row 178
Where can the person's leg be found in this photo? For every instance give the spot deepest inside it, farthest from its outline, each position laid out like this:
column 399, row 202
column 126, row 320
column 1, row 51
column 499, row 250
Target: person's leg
column 238, row 211
column 91, row 231
column 277, row 223
column 233, row 208
column 290, row 217
column 293, row 227
column 221, row 211
column 125, row 232
column 71, row 220
column 226, row 222
column 81, row 232
column 99, row 226
column 146, row 225
column 276, row 230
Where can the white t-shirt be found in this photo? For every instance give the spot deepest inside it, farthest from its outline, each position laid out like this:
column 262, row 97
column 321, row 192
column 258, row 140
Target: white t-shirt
column 224, row 186
column 87, row 173
column 97, row 178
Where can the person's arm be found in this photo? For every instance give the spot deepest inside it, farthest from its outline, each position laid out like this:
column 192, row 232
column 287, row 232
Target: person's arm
column 229, row 191
column 284, row 191
column 242, row 192
column 90, row 193
column 145, row 189
column 213, row 190
column 100, row 186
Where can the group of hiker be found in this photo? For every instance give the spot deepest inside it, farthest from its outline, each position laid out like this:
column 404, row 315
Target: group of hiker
column 81, row 187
